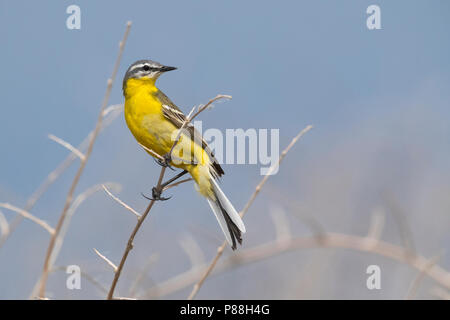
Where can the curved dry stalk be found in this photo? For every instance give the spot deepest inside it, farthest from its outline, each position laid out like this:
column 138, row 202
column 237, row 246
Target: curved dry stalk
column 85, row 275
column 4, row 225
column 69, row 198
column 418, row 279
column 29, row 216
column 141, row 219
column 60, row 238
column 191, row 117
column 68, row 146
column 131, row 239
column 328, row 240
column 141, row 275
column 109, row 262
column 177, row 183
column 220, row 249
column 109, row 117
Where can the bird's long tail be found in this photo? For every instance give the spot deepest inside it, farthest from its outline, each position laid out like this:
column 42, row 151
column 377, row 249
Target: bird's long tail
column 229, row 220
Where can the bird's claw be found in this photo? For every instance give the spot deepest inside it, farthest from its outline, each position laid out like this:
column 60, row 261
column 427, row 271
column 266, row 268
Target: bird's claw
column 156, row 195
column 165, row 162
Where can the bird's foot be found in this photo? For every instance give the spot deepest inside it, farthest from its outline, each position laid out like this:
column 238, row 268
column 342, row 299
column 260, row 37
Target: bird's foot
column 165, row 162
column 156, row 195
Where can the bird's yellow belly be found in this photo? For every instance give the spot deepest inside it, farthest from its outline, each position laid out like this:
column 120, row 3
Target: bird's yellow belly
column 145, row 119
column 146, row 122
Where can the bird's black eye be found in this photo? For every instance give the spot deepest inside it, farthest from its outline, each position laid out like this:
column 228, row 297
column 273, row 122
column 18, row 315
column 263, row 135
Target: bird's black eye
column 146, row 68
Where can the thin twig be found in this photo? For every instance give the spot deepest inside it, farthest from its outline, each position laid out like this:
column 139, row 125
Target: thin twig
column 109, row 262
column 191, row 117
column 180, row 131
column 220, row 249
column 129, row 246
column 56, row 173
column 68, row 146
column 83, row 163
column 82, row 197
column 141, row 275
column 177, row 183
column 440, row 293
column 153, row 153
column 121, row 202
column 414, row 287
column 85, row 275
column 29, row 216
column 275, row 248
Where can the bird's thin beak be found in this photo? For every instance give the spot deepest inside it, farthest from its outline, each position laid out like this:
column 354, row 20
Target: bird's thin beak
column 167, row 68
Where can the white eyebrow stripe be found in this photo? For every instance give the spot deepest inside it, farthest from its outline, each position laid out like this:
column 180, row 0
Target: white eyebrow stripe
column 138, row 66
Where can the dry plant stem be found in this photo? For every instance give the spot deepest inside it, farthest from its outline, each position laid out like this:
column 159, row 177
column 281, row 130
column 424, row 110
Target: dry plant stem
column 109, row 262
column 68, row 146
column 327, row 240
column 69, row 198
column 177, row 183
column 129, row 246
column 418, row 279
column 123, row 204
column 85, row 275
column 220, row 249
column 158, row 187
column 52, row 176
column 27, row 215
column 191, row 117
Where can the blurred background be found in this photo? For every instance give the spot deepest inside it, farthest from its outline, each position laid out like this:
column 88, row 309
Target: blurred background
column 378, row 100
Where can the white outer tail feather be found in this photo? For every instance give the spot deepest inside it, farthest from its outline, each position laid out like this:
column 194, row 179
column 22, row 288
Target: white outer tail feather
column 232, row 213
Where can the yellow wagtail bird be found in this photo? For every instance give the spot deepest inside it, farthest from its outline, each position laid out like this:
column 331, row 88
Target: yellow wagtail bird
column 154, row 120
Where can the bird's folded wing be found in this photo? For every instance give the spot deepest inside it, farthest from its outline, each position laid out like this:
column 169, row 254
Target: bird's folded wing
column 172, row 113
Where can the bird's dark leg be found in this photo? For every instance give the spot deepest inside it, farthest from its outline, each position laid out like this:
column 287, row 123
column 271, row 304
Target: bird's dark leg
column 156, row 192
column 165, row 162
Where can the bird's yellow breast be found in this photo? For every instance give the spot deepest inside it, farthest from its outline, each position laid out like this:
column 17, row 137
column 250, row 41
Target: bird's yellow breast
column 144, row 117
column 146, row 121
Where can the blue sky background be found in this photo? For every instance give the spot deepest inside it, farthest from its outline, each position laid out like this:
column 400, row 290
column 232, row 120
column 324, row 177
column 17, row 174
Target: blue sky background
column 379, row 101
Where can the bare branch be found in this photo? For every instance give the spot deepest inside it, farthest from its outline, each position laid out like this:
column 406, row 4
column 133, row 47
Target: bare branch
column 281, row 222
column 191, row 117
column 177, row 183
column 131, row 239
column 440, row 293
column 153, row 153
column 121, row 202
column 111, row 264
column 60, row 238
column 274, row 248
column 180, row 131
column 376, row 226
column 220, row 249
column 414, row 287
column 112, row 108
column 4, row 225
column 134, row 285
column 110, row 115
column 192, row 250
column 210, row 102
column 68, row 146
column 29, row 216
column 69, row 198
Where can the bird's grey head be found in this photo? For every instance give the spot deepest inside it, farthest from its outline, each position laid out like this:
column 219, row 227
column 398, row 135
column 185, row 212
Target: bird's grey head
column 145, row 68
